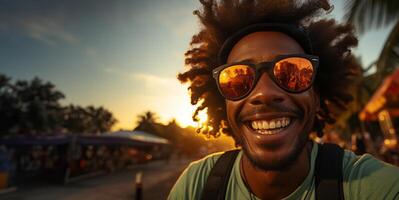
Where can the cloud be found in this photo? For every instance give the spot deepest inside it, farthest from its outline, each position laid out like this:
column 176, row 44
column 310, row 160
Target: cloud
column 152, row 80
column 45, row 24
column 149, row 84
column 93, row 52
column 148, row 80
column 152, row 85
column 49, row 28
column 171, row 16
column 176, row 20
column 46, row 30
column 117, row 71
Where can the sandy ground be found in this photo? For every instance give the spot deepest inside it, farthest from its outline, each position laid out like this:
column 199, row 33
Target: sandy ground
column 158, row 179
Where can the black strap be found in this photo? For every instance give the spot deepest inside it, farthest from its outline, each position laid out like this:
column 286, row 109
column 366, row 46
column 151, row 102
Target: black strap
column 216, row 185
column 328, row 172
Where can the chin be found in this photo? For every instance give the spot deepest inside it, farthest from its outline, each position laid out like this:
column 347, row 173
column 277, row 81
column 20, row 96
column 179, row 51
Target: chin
column 276, row 159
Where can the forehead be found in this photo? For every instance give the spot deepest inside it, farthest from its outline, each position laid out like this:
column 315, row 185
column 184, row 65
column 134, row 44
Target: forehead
column 263, row 46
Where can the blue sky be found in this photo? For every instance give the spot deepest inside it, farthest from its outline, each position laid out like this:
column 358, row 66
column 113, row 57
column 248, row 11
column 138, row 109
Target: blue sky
column 120, row 54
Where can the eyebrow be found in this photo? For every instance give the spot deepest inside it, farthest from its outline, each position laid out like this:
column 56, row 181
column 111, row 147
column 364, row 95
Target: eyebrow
column 247, row 60
column 251, row 60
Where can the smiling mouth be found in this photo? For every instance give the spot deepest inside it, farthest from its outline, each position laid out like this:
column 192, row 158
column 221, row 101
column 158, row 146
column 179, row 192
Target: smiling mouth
column 270, row 127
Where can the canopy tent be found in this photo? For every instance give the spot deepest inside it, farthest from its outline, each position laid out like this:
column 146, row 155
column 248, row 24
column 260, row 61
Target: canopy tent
column 386, row 97
column 134, row 138
column 139, row 136
column 42, row 140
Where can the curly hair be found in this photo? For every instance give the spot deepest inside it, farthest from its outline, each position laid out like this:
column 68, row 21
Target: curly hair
column 331, row 41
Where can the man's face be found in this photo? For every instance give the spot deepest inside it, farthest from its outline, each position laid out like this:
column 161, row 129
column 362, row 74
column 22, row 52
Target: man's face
column 270, row 148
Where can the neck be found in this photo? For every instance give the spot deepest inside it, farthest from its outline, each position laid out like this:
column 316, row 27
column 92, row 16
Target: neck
column 270, row 185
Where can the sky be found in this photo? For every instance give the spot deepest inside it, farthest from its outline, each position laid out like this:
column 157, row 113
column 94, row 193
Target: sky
column 121, row 54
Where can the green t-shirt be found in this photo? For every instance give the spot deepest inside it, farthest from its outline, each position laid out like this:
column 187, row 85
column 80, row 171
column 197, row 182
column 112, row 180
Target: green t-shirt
column 364, row 177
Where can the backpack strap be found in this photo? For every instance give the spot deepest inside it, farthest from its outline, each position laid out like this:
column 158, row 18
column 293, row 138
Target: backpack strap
column 216, row 184
column 328, row 172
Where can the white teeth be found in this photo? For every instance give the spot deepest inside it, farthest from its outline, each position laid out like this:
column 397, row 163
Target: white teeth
column 269, row 132
column 265, row 125
column 279, row 123
column 254, row 125
column 270, row 126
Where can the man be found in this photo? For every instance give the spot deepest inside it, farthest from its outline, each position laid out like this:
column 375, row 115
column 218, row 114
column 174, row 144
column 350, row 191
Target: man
column 270, row 75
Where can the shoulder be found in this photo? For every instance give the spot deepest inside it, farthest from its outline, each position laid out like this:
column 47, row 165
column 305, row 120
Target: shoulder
column 366, row 177
column 191, row 181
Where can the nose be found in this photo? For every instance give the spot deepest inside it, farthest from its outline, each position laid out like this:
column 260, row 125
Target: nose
column 266, row 91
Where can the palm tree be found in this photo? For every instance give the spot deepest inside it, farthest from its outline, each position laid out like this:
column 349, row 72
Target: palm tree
column 76, row 119
column 9, row 110
column 366, row 14
column 89, row 120
column 39, row 104
column 146, row 121
column 102, row 120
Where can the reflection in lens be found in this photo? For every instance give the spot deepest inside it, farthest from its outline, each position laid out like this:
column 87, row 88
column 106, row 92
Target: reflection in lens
column 294, row 74
column 235, row 81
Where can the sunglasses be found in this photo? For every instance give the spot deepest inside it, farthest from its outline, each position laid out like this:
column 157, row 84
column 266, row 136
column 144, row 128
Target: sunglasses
column 293, row 73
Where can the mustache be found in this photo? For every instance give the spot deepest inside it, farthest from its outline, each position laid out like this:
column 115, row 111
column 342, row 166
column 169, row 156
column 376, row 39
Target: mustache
column 271, row 107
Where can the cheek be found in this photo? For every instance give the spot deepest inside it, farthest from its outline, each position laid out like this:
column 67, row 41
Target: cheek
column 309, row 103
column 230, row 109
column 314, row 102
column 308, row 100
column 233, row 109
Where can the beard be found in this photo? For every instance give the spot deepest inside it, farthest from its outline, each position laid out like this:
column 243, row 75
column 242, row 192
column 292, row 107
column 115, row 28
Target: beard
column 277, row 165
column 304, row 119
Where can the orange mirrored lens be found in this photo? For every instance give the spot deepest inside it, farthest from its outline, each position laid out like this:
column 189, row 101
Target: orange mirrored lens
column 295, row 74
column 235, row 81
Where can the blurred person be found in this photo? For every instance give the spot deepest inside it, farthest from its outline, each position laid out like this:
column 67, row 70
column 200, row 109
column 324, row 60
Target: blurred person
column 362, row 143
column 5, row 167
column 370, row 144
column 333, row 136
column 358, row 144
column 270, row 119
column 390, row 152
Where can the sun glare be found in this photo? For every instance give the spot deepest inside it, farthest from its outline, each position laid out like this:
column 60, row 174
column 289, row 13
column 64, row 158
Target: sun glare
column 184, row 117
column 203, row 117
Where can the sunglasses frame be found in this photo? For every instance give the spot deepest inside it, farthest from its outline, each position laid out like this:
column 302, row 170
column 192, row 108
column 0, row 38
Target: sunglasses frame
column 269, row 68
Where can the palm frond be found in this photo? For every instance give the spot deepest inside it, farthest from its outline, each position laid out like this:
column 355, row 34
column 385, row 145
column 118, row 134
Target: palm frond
column 389, row 50
column 366, row 14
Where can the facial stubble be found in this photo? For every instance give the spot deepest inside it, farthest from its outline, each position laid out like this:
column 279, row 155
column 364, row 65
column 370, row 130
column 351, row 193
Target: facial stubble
column 283, row 163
